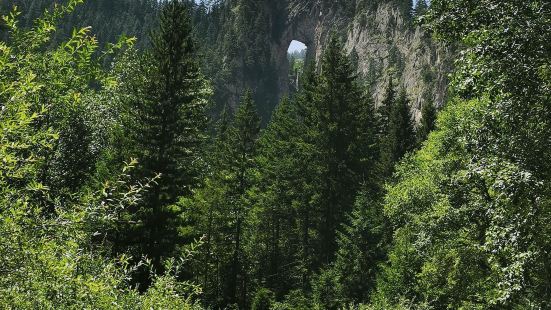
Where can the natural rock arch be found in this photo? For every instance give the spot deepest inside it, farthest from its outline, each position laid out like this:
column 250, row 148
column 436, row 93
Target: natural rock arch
column 299, row 26
column 383, row 41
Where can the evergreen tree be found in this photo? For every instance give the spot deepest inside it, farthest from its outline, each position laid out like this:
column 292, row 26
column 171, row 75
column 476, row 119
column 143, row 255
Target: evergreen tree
column 166, row 130
column 277, row 241
column 307, row 166
column 243, row 138
column 320, row 210
column 361, row 248
column 421, row 7
column 109, row 19
column 56, row 260
column 219, row 210
column 208, row 214
column 399, row 135
column 405, row 6
column 385, row 110
column 314, row 154
column 428, row 122
column 340, row 102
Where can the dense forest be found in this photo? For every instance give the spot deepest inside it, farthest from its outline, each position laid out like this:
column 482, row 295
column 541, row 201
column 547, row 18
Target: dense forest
column 150, row 157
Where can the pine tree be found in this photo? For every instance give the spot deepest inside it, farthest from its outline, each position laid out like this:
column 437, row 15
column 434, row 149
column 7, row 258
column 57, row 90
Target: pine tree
column 307, row 205
column 281, row 203
column 421, row 8
column 398, row 137
column 222, row 129
column 384, row 109
column 243, row 139
column 166, row 131
column 361, row 249
column 109, row 19
column 428, row 122
column 343, row 117
column 406, row 7
column 208, row 215
column 219, row 210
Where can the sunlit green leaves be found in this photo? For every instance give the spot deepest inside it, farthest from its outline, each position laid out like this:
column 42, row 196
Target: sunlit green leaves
column 51, row 249
column 471, row 207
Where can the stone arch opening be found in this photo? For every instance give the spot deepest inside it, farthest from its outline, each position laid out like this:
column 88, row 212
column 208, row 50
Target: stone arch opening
column 297, row 47
column 298, row 38
column 296, row 58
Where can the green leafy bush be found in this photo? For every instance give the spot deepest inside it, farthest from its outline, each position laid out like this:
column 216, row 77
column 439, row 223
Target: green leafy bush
column 51, row 250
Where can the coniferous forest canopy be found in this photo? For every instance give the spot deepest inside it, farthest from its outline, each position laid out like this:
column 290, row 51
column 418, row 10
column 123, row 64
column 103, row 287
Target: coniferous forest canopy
column 172, row 155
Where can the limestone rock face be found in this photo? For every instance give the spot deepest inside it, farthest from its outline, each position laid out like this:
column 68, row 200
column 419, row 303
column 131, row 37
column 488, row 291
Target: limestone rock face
column 384, row 43
column 387, row 47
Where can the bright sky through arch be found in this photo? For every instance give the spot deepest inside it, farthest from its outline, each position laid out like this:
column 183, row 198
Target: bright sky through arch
column 296, row 46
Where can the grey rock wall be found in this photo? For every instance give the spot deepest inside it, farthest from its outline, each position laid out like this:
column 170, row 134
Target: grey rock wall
column 385, row 44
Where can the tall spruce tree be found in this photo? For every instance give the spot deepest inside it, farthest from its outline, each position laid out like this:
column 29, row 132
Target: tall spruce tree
column 277, row 240
column 208, row 214
column 165, row 131
column 243, row 139
column 219, row 210
column 421, row 7
column 361, row 248
column 384, row 109
column 317, row 150
column 308, row 200
column 344, row 115
column 398, row 136
column 428, row 122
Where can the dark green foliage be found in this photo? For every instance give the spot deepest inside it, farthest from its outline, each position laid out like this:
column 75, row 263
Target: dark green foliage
column 55, row 259
column 406, row 7
column 362, row 245
column 280, row 239
column 109, row 19
column 315, row 152
column 243, row 141
column 385, row 109
column 334, row 204
column 236, row 38
column 325, row 290
column 219, row 210
column 428, row 122
column 471, row 207
column 398, row 135
column 165, row 129
column 263, row 300
column 345, row 137
column 421, row 8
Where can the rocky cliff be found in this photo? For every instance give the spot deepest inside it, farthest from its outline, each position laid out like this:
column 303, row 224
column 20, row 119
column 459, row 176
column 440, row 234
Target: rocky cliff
column 381, row 38
column 387, row 47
